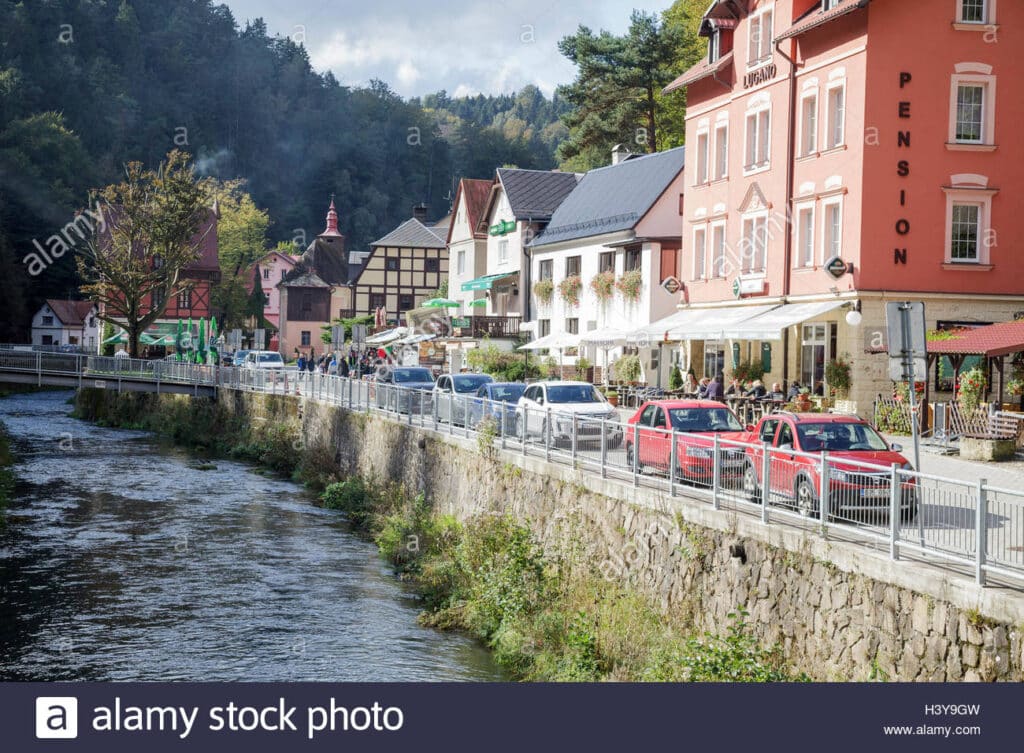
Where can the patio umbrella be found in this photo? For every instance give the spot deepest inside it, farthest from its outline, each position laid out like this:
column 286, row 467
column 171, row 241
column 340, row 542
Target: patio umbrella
column 177, row 341
column 605, row 338
column 201, row 348
column 213, row 358
column 441, row 303
column 191, row 342
column 478, row 302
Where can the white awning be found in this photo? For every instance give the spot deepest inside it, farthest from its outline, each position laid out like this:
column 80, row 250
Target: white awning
column 664, row 329
column 413, row 339
column 554, row 341
column 387, row 336
column 771, row 324
column 606, row 337
column 723, row 323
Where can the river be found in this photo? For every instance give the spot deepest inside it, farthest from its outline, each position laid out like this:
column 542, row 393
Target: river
column 122, row 559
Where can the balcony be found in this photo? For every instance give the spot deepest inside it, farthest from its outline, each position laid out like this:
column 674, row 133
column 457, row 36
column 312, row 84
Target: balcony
column 490, row 326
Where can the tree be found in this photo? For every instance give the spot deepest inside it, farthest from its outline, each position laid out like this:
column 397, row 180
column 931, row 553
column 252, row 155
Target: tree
column 617, row 91
column 134, row 260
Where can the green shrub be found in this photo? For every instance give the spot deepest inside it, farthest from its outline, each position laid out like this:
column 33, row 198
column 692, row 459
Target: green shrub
column 352, row 497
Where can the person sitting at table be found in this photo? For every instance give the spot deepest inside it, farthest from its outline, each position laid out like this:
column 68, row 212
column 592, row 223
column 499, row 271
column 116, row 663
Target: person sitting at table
column 776, row 392
column 794, row 390
column 735, row 388
column 714, row 391
column 690, row 383
column 819, row 389
column 756, row 391
column 702, row 388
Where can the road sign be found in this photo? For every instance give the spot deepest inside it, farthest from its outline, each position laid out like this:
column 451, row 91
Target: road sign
column 912, row 337
column 671, row 284
column 259, row 339
column 896, row 369
column 358, row 334
column 835, row 267
column 337, row 335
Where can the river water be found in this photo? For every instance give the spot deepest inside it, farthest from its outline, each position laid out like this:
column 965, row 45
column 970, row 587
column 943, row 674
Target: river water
column 122, row 560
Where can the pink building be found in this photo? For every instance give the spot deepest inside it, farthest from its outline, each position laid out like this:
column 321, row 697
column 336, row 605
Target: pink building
column 842, row 154
column 270, row 270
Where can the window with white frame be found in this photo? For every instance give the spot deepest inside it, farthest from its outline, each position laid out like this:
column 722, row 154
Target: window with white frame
column 758, row 139
column 700, row 235
column 809, row 123
column 715, row 46
column 718, row 264
column 805, row 235
column 754, row 245
column 460, row 263
column 969, row 231
column 546, row 269
column 836, row 133
column 606, row 262
column 701, row 176
column 829, row 4
column 759, row 38
column 972, row 11
column 972, row 106
column 832, row 228
column 722, row 151
column 502, row 251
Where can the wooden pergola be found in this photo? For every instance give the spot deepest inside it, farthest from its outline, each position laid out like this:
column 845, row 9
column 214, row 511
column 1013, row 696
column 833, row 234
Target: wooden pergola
column 994, row 342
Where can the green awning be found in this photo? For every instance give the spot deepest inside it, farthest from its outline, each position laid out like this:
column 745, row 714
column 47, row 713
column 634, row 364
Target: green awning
column 486, row 283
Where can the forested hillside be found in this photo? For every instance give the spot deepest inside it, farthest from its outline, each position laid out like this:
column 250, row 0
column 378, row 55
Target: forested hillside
column 87, row 85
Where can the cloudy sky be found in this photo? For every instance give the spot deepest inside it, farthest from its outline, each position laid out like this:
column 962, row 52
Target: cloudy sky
column 464, row 47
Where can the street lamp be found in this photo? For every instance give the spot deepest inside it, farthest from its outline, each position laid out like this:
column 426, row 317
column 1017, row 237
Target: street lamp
column 853, row 316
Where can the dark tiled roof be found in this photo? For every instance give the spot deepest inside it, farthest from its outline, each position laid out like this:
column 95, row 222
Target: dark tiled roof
column 816, row 17
column 413, row 234
column 303, row 277
column 70, row 313
column 474, row 194
column 328, row 257
column 703, row 69
column 535, row 194
column 613, row 198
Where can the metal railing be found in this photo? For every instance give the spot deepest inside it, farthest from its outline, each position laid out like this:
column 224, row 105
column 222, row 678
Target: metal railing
column 967, row 526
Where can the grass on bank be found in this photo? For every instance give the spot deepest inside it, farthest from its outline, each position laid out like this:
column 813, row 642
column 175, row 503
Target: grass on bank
column 546, row 616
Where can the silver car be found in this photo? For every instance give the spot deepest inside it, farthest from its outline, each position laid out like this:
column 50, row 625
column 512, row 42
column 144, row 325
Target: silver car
column 453, row 394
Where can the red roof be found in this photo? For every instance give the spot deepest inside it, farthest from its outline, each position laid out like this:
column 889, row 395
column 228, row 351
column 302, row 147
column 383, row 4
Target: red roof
column 70, row 313
column 703, row 69
column 817, row 17
column 992, row 341
column 475, row 193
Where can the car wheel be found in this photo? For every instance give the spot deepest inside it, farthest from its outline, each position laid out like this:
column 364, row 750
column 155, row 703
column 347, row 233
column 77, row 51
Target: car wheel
column 629, row 454
column 520, row 428
column 806, row 499
column 751, row 487
column 615, row 443
column 908, row 514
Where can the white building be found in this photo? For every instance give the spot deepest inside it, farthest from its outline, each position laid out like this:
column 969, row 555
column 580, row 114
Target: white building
column 467, row 245
column 617, row 232
column 67, row 323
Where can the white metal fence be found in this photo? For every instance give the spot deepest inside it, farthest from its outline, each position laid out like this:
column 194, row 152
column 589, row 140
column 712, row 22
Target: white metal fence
column 966, row 526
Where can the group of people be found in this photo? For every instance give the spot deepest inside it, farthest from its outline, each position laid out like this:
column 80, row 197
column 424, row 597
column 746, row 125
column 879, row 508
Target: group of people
column 714, row 388
column 354, row 363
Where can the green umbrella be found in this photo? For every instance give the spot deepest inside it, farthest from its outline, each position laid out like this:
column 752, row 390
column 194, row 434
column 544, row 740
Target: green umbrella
column 201, row 348
column 177, row 341
column 441, row 303
column 213, row 358
column 478, row 302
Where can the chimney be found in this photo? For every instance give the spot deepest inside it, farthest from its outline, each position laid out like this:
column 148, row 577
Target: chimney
column 620, row 154
column 419, row 212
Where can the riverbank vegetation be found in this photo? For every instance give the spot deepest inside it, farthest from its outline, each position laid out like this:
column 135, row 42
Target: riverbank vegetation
column 546, row 615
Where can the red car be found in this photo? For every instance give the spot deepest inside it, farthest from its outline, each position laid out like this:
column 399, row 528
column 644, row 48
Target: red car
column 796, row 479
column 697, row 422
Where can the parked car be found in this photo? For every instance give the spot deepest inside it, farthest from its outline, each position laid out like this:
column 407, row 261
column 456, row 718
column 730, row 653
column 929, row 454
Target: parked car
column 696, row 422
column 238, row 358
column 567, row 404
column 414, row 379
column 452, row 393
column 854, row 490
column 263, row 359
column 497, row 400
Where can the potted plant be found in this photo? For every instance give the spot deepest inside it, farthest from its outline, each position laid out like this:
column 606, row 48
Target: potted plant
column 973, row 384
column 551, row 368
column 675, row 379
column 603, row 285
column 628, row 368
column 630, row 285
column 803, row 400
column 569, row 289
column 612, row 396
column 584, row 370
column 837, row 376
column 544, row 290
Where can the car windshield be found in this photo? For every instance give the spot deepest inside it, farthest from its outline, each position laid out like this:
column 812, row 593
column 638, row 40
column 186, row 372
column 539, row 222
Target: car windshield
column 815, row 437
column 470, row 382
column 506, row 393
column 704, row 419
column 573, row 393
column 240, row 355
column 270, row 358
column 404, row 376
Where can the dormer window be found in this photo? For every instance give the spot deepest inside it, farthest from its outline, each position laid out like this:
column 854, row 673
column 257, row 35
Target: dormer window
column 715, row 46
column 829, row 4
column 759, row 39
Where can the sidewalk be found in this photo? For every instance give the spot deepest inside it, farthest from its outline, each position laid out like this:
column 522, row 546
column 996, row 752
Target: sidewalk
column 1008, row 474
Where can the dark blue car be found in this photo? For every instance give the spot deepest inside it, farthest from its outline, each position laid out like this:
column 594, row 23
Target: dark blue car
column 497, row 400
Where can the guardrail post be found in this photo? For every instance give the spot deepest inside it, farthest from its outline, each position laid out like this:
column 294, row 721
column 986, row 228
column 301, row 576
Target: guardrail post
column 766, row 481
column 575, row 430
column 604, row 447
column 672, row 460
column 894, row 512
column 39, row 368
column 636, row 455
column 526, row 415
column 980, row 532
column 547, row 436
column 716, row 472
column 823, row 493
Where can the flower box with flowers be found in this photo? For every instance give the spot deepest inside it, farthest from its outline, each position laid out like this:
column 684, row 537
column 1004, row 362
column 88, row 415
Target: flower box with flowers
column 603, row 285
column 569, row 290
